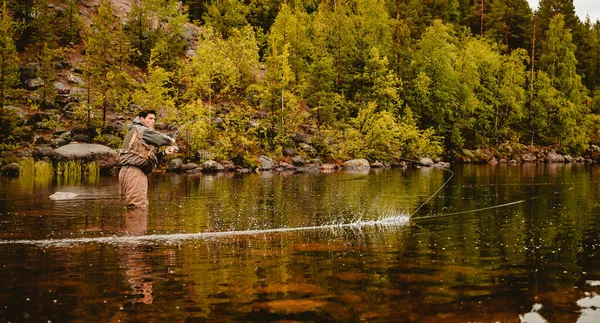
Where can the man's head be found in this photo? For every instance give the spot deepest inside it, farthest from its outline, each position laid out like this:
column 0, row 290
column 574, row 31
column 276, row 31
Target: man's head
column 148, row 117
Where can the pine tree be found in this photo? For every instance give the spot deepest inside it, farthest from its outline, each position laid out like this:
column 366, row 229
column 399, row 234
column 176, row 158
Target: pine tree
column 9, row 58
column 104, row 59
column 46, row 71
column 509, row 22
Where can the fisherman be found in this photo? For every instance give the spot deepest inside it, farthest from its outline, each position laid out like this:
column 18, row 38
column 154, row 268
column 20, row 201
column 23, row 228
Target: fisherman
column 138, row 156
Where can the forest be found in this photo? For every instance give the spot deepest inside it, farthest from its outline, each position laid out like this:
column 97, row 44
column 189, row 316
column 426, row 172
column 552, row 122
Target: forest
column 334, row 80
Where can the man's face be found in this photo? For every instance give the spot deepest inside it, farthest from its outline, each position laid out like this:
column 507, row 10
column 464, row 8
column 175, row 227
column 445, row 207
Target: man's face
column 149, row 120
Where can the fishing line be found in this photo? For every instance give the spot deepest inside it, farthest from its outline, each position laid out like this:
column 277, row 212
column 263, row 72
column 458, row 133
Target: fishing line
column 179, row 130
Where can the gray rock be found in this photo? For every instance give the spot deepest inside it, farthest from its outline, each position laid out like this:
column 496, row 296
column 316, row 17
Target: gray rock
column 211, row 166
column 287, row 167
column 34, row 84
column 307, row 148
column 175, row 165
column 74, row 79
column 228, row 166
column 302, row 138
column 81, row 137
column 61, row 88
column 377, row 164
column 188, row 166
column 40, row 140
column 103, row 156
column 426, row 161
column 298, row 161
column 357, row 164
column 289, row 152
column 554, row 157
column 327, row 167
column 266, row 163
column 58, row 142
column 63, row 196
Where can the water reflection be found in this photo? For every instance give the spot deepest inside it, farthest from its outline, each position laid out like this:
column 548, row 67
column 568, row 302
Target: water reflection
column 229, row 248
column 134, row 260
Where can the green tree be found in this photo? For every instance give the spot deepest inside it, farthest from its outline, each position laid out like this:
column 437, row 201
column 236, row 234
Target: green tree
column 512, row 96
column 383, row 85
column 559, row 62
column 46, row 72
column 42, row 29
column 435, row 91
column 224, row 15
column 9, row 59
column 291, row 28
column 370, row 28
column 105, row 60
column 509, row 22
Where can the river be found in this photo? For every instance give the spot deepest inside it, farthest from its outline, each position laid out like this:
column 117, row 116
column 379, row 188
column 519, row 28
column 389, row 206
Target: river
column 496, row 243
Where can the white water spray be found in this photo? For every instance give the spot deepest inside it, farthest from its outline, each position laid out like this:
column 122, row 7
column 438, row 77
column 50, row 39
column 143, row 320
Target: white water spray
column 180, row 237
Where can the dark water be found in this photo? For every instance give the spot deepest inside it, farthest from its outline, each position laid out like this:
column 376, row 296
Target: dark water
column 493, row 243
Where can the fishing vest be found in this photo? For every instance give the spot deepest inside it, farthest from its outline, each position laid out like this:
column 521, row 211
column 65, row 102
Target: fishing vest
column 137, row 153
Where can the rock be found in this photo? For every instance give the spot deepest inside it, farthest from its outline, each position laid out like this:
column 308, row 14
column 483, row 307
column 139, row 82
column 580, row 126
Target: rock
column 298, row 161
column 228, row 166
column 493, row 161
column 377, row 164
column 327, row 167
column 266, row 163
column 81, row 137
column 287, row 167
column 43, row 152
column 289, row 152
column 188, row 166
column 11, row 169
column 58, row 142
column 426, row 161
column 529, row 158
column 74, row 79
column 61, row 88
column 40, row 140
column 63, row 196
column 302, row 138
column 103, row 156
column 307, row 148
column 34, row 84
column 175, row 165
column 211, row 166
column 357, row 164
column 190, row 53
column 569, row 159
column 554, row 157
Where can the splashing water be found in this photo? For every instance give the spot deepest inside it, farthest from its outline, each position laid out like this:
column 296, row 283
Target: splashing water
column 393, row 220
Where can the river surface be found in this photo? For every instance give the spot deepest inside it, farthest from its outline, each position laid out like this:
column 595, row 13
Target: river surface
column 500, row 243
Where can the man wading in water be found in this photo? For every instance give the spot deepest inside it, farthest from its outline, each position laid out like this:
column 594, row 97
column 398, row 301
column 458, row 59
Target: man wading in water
column 138, row 156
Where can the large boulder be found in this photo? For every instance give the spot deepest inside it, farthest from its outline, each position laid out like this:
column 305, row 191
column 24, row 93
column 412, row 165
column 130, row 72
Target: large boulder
column 175, row 165
column 554, row 157
column 103, row 156
column 357, row 164
column 266, row 163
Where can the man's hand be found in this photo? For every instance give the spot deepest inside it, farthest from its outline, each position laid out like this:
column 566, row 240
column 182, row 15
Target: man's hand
column 171, row 150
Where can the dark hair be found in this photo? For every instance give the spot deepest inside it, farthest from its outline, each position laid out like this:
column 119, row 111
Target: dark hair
column 145, row 113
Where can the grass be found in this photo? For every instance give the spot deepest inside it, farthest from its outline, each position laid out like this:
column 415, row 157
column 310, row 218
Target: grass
column 66, row 172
